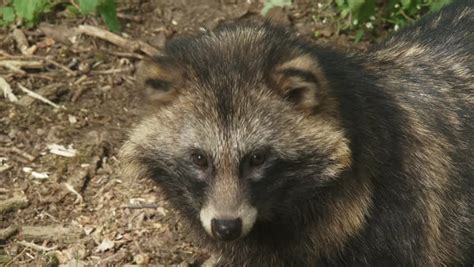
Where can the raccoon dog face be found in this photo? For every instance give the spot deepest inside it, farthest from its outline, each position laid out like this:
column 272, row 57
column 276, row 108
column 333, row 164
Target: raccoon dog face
column 243, row 131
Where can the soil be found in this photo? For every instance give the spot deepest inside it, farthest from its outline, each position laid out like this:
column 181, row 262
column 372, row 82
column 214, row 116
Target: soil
column 78, row 210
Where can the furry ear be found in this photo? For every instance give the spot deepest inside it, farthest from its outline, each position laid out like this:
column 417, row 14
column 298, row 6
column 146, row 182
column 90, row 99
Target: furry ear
column 301, row 82
column 161, row 79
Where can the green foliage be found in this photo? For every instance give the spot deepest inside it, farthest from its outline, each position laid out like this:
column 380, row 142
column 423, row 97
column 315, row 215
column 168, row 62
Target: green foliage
column 8, row 15
column 269, row 4
column 31, row 11
column 362, row 16
column 108, row 10
column 105, row 8
column 88, row 7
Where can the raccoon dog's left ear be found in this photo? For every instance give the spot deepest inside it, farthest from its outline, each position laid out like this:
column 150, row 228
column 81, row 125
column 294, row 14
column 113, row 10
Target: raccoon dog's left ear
column 161, row 79
column 300, row 81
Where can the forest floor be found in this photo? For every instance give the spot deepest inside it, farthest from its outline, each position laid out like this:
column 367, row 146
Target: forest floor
column 62, row 199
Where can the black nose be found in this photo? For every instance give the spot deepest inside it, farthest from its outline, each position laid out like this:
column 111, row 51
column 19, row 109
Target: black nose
column 226, row 230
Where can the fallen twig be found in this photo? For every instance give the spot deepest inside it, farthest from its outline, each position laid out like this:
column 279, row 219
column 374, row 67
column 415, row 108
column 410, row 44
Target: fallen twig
column 36, row 247
column 38, row 96
column 46, row 91
column 130, row 17
column 13, row 204
column 7, row 91
column 61, row 66
column 123, row 54
column 31, row 61
column 18, row 151
column 49, row 232
column 112, row 71
column 118, row 40
column 17, row 65
column 5, row 168
column 79, row 198
column 139, row 206
column 8, row 232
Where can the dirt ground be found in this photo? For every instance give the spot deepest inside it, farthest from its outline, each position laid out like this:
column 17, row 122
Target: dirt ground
column 62, row 200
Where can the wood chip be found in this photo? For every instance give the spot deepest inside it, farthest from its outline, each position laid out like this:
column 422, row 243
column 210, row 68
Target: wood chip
column 21, row 41
column 61, row 33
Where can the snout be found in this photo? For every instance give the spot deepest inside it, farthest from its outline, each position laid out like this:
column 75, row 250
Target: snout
column 226, row 230
column 228, row 224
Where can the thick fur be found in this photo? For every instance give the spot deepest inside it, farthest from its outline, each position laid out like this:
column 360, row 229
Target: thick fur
column 369, row 156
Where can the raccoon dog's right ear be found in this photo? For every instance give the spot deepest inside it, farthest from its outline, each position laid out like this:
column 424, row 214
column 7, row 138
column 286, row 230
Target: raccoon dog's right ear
column 161, row 78
column 301, row 81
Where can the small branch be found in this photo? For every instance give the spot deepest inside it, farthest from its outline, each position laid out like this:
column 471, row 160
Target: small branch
column 130, row 17
column 45, row 91
column 37, row 96
column 13, row 203
column 118, row 40
column 112, row 71
column 7, row 91
column 123, row 54
column 49, row 233
column 19, row 152
column 79, row 198
column 36, row 247
column 61, row 66
column 17, row 65
column 8, row 232
column 140, row 206
column 32, row 62
column 5, row 168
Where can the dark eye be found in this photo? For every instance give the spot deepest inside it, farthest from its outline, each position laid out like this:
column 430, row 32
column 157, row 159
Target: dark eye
column 257, row 159
column 199, row 159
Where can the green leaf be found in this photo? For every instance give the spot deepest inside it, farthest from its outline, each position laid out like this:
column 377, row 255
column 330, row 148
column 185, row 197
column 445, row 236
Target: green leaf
column 340, row 3
column 358, row 36
column 354, row 5
column 108, row 10
column 366, row 11
column 88, row 7
column 345, row 12
column 406, row 3
column 31, row 10
column 269, row 4
column 73, row 10
column 25, row 8
column 438, row 4
column 8, row 14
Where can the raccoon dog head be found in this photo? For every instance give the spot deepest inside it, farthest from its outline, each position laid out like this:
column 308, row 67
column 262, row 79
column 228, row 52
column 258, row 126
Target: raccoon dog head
column 243, row 129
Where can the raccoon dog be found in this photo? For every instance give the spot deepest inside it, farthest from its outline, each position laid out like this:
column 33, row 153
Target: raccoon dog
column 278, row 152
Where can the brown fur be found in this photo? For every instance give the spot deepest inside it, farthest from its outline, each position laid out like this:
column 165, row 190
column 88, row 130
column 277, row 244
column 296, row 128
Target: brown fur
column 369, row 157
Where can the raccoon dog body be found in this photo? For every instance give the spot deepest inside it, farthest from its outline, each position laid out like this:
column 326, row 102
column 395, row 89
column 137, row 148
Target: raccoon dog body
column 277, row 152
